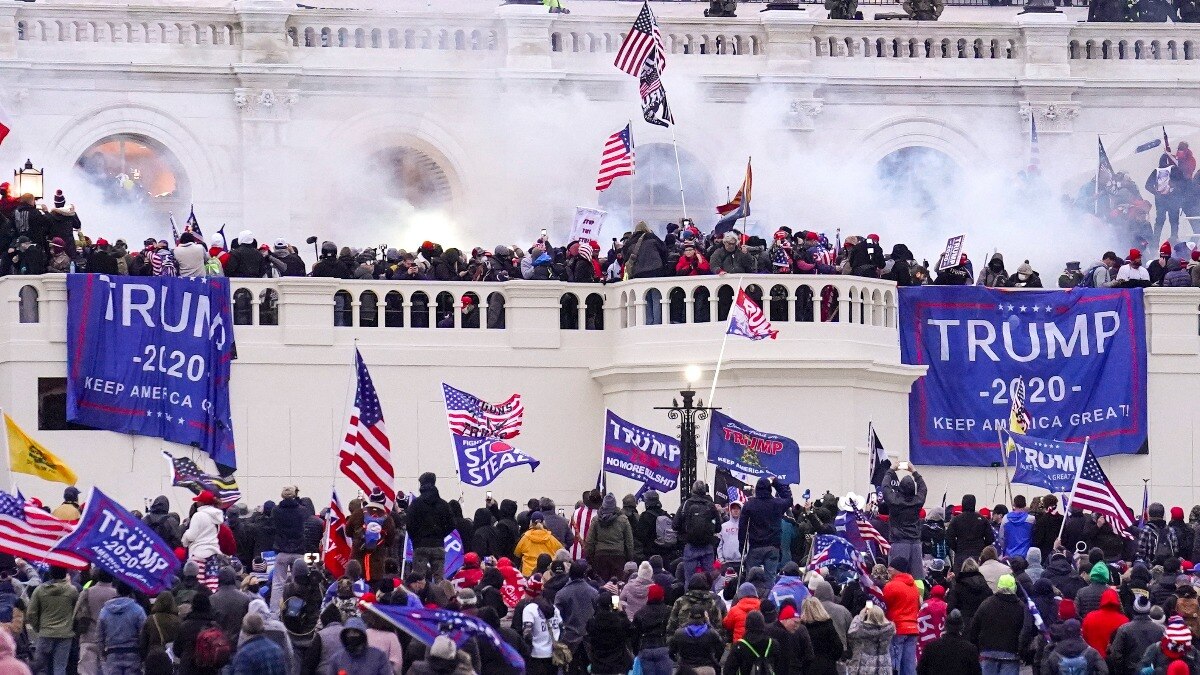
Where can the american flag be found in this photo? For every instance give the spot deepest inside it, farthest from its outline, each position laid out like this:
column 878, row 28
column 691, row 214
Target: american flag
column 427, row 624
column 209, row 573
column 616, row 159
column 642, row 42
column 856, row 529
column 185, row 473
column 471, row 416
column 832, row 551
column 191, row 224
column 655, row 108
column 746, row 318
column 872, row 535
column 366, row 455
column 1094, row 492
column 28, row 532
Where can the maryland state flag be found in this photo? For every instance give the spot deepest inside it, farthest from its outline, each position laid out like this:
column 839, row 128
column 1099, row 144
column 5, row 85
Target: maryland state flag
column 26, row 455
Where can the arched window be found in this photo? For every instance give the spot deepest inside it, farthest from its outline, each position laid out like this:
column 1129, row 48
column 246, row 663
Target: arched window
column 243, row 307
column 804, row 303
column 653, row 307
column 28, row 297
column 470, row 310
column 419, row 311
column 268, row 307
column 134, row 170
column 914, row 178
column 445, row 310
column 755, row 293
column 495, row 311
column 724, row 302
column 393, row 310
column 779, row 303
column 701, row 305
column 594, row 312
column 368, row 309
column 568, row 312
column 678, row 305
column 410, row 175
column 656, row 188
column 343, row 310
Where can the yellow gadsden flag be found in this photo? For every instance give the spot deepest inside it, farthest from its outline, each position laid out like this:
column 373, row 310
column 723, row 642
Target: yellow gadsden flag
column 26, row 455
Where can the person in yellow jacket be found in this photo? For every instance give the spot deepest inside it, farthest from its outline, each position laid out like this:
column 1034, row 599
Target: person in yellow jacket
column 536, row 541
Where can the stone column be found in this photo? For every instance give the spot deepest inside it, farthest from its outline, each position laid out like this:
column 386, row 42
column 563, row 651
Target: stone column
column 264, row 30
column 8, row 31
column 526, row 36
column 789, row 47
column 1044, row 40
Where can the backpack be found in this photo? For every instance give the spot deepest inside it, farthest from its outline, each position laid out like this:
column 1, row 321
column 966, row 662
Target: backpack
column 1075, row 665
column 213, row 267
column 212, row 648
column 664, row 533
column 1163, row 546
column 293, row 612
column 1089, row 277
column 698, row 526
column 762, row 664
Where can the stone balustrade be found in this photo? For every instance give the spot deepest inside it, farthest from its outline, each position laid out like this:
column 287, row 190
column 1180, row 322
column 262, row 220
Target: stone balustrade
column 526, row 37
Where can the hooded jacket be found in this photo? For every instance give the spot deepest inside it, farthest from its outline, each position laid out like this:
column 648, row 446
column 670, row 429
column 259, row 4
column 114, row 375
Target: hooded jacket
column 162, row 521
column 993, row 278
column 636, row 592
column 576, row 604
column 762, row 515
column 608, row 633
column 1017, row 533
column 162, row 626
column 696, row 507
column 535, row 542
column 429, row 518
column 610, row 533
column 904, row 498
column 1087, row 599
column 697, row 595
column 1072, row 646
column 967, row 593
column 52, row 609
column 1129, row 642
column 1078, row 527
column 968, row 533
column 202, row 532
column 869, row 648
column 647, row 525
column 120, row 625
column 839, row 616
column 696, row 645
column 1099, row 626
column 558, row 525
column 288, row 518
column 1002, row 624
column 903, row 603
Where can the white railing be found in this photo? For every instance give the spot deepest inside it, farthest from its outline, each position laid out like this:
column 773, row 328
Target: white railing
column 591, row 35
column 121, row 26
column 438, row 32
column 1132, row 42
column 912, row 40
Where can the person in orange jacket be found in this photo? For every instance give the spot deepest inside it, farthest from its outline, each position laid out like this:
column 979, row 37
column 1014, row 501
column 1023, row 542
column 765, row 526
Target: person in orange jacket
column 744, row 602
column 903, row 602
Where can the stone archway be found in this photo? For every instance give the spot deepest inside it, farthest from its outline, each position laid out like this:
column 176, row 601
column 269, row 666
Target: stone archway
column 136, row 170
column 656, row 188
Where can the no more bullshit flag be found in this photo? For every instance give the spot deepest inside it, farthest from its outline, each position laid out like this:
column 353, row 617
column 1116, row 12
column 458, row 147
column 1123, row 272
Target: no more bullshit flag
column 119, row 543
column 646, row 456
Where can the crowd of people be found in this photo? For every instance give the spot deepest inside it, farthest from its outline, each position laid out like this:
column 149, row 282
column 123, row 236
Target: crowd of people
column 610, row 587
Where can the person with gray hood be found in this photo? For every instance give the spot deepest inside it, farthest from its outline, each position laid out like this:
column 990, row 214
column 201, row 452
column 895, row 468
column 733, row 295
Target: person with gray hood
column 119, row 631
column 839, row 615
column 558, row 525
column 904, row 498
column 360, row 658
column 164, row 523
column 229, row 603
column 87, row 619
column 325, row 644
column 609, row 541
column 993, row 275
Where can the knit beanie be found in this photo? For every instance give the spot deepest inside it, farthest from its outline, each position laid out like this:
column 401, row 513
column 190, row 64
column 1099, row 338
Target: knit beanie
column 746, row 590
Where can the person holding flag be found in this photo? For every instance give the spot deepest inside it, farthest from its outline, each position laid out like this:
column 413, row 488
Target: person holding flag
column 372, row 534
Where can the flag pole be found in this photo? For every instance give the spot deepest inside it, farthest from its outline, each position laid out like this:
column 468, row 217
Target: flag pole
column 1074, row 484
column 712, row 391
column 679, row 170
column 632, row 173
column 1004, row 461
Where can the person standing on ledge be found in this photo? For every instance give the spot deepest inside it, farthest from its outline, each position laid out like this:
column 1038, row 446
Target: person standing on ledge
column 904, row 498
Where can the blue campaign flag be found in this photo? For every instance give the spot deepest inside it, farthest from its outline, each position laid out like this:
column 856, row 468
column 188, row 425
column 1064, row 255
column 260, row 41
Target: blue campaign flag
column 151, row 356
column 119, row 543
column 408, row 548
column 789, row 587
column 1045, row 463
column 482, row 459
column 833, row 551
column 426, row 624
column 454, row 554
column 739, row 447
column 638, row 453
column 1066, row 348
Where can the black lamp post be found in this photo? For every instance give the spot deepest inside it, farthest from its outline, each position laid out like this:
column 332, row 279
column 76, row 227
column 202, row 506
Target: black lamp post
column 687, row 414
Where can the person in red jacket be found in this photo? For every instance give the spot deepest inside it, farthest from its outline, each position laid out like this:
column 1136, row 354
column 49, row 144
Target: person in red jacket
column 903, row 602
column 691, row 263
column 932, row 619
column 471, row 573
column 1099, row 625
column 744, row 602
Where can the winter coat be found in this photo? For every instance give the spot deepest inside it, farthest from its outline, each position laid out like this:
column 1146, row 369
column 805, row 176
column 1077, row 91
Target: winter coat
column 650, row 626
column 730, row 262
column 51, row 611
column 1088, row 598
column 993, row 278
column 742, row 656
column 1002, row 624
column 245, row 261
column 608, row 635
column 576, row 603
column 259, row 656
column 949, row 655
column 967, row 593
column 161, row 627
column 839, row 616
column 120, row 624
column 532, row 544
column 1045, row 531
column 735, row 620
column 635, row 595
column 903, row 602
column 1017, row 531
column 827, row 648
column 371, row 661
column 866, row 259
column 164, row 523
column 288, row 518
column 992, row 570
column 1070, row 648
column 185, row 642
column 647, row 254
column 869, row 648
column 610, row 534
column 698, row 645
column 1156, row 661
column 1127, row 645
column 429, row 519
column 698, row 505
column 1078, row 527
column 762, row 515
column 1099, row 626
column 904, row 499
column 696, row 597
column 967, row 535
column 87, row 609
column 201, row 534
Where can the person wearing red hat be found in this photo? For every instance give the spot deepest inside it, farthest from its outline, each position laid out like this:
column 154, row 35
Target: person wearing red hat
column 1158, row 268
column 1132, row 274
column 1184, row 537
column 650, row 633
column 866, row 258
column 201, row 537
column 1174, row 648
column 931, row 620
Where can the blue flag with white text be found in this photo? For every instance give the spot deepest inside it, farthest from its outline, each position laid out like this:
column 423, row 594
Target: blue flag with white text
column 1045, row 463
column 151, row 356
column 1080, row 356
column 482, row 459
column 740, row 447
column 119, row 543
column 425, row 625
column 641, row 454
column 454, row 554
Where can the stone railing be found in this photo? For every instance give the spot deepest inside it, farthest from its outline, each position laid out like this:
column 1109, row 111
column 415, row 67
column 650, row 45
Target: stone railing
column 527, row 38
